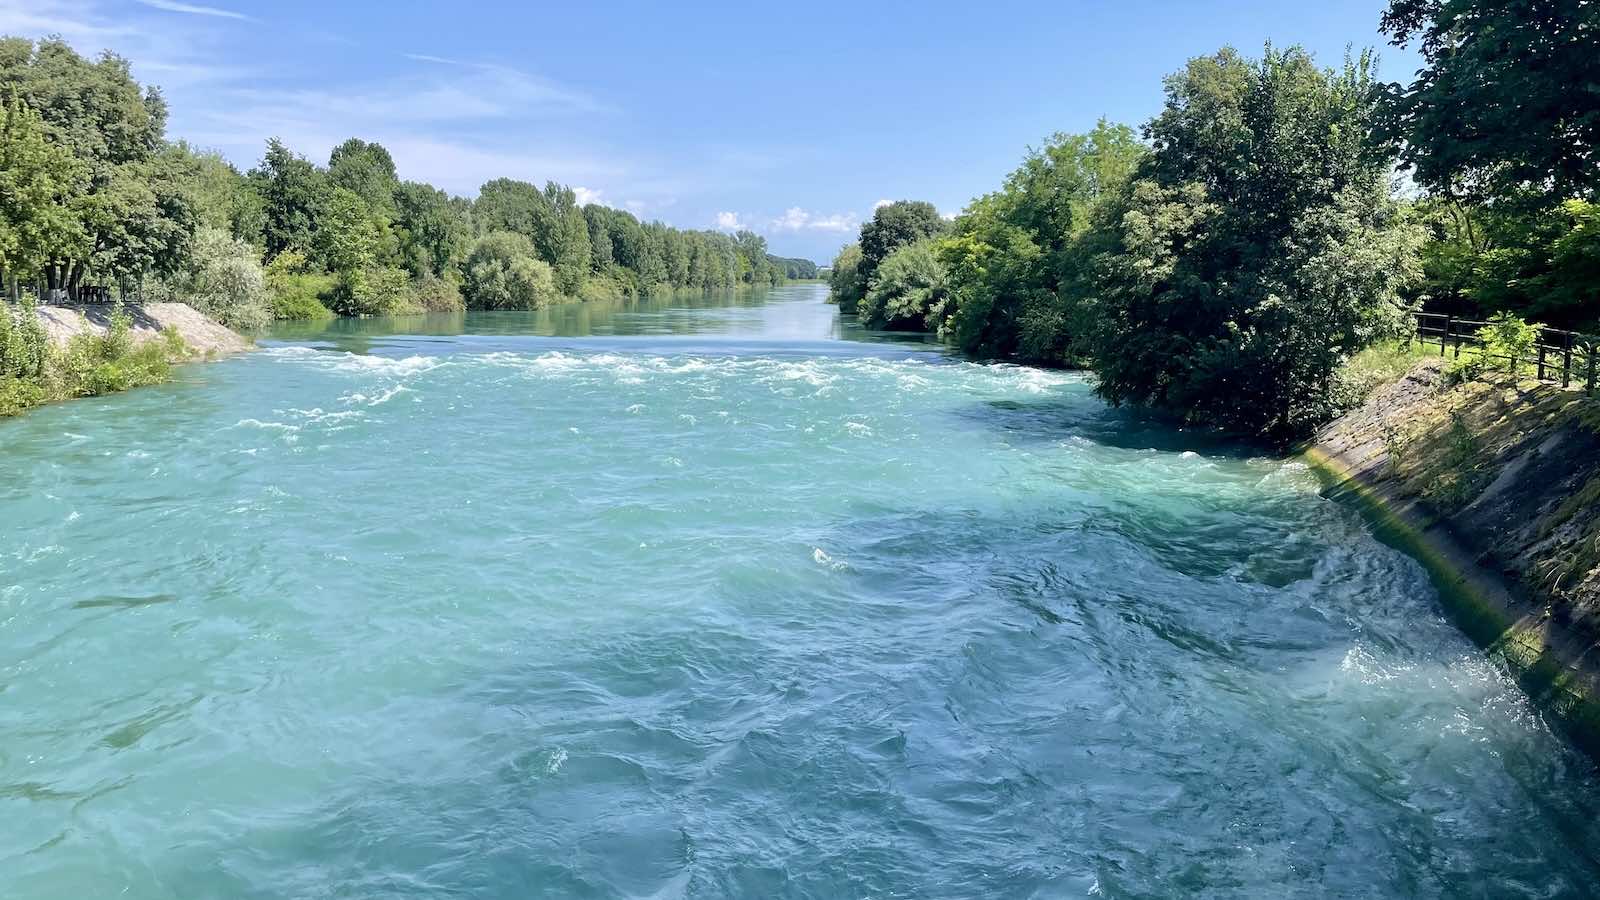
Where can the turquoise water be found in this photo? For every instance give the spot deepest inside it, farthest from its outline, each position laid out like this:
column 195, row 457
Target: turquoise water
column 722, row 600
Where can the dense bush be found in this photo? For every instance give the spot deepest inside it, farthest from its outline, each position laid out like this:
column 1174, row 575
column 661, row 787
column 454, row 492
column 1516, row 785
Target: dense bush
column 295, row 291
column 23, row 342
column 372, row 291
column 503, row 272
column 32, row 372
column 1020, row 259
column 844, row 282
column 1504, row 345
column 224, row 280
column 1258, row 248
column 909, row 292
column 431, row 293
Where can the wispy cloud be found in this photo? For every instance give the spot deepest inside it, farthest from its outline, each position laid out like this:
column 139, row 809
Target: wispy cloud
column 729, row 221
column 193, row 10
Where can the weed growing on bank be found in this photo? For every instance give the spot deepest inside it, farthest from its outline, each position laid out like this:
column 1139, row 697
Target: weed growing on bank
column 33, row 373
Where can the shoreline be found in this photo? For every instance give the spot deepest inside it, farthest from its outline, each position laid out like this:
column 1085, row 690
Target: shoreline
column 1550, row 661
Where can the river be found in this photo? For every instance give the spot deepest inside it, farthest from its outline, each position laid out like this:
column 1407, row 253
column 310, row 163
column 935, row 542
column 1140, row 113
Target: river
column 723, row 599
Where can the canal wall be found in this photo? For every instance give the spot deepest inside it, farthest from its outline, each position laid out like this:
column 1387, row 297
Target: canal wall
column 1494, row 485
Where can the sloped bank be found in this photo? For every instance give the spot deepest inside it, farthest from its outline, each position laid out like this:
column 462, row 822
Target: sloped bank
column 1495, row 487
column 201, row 334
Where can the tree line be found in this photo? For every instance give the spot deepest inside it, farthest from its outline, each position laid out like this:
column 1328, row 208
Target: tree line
column 1223, row 262
column 92, row 193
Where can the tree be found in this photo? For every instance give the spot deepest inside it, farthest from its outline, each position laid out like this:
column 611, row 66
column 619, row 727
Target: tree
column 38, row 179
column 221, row 195
column 909, row 293
column 130, row 216
column 551, row 219
column 293, row 195
column 895, row 225
column 348, row 237
column 504, row 272
column 224, row 280
column 432, row 232
column 367, row 170
column 1257, row 248
column 1019, row 260
column 561, row 234
column 844, row 282
column 1508, row 100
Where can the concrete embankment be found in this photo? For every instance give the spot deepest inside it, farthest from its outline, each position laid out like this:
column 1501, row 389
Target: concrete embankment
column 1494, row 486
column 200, row 333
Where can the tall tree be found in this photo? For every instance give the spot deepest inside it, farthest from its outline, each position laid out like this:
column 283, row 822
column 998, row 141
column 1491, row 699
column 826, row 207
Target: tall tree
column 1508, row 99
column 1257, row 248
column 895, row 225
column 38, row 179
column 133, row 215
column 294, row 194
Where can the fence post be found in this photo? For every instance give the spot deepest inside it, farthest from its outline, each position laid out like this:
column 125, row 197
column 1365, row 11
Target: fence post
column 1566, row 360
column 1541, row 356
column 1592, row 347
column 1449, row 325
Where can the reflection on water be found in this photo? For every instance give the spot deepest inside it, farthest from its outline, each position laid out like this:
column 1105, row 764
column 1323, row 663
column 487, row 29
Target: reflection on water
column 789, row 313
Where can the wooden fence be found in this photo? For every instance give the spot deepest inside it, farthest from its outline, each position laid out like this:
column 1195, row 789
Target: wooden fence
column 1557, row 357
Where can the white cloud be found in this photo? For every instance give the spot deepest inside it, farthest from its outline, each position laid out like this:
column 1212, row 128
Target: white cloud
column 728, row 221
column 796, row 219
column 587, row 196
column 193, row 10
column 881, row 204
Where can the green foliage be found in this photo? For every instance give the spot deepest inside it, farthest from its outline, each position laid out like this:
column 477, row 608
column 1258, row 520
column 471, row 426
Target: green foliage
column 909, row 292
column 893, row 225
column 293, row 195
column 94, row 195
column 1506, row 101
column 550, row 219
column 432, row 232
column 224, row 280
column 366, row 170
column 503, row 271
column 89, row 365
column 371, row 291
column 1504, row 345
column 1257, row 249
column 38, row 181
column 431, row 293
column 794, row 268
column 24, row 345
column 296, row 292
column 844, row 281
column 1020, row 258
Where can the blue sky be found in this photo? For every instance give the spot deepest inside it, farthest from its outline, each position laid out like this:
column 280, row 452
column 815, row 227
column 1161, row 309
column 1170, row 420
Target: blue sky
column 791, row 119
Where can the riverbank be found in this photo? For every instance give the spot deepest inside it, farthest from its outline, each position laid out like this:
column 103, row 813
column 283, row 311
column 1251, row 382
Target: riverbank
column 66, row 352
column 146, row 322
column 1493, row 486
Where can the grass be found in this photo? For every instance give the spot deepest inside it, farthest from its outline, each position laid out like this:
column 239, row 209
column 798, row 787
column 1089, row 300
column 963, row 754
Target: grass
column 94, row 364
column 1379, row 365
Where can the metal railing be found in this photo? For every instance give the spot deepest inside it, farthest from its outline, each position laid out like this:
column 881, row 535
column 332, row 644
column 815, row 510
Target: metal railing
column 1557, row 357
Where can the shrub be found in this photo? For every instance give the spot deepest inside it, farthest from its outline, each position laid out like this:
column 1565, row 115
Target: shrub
column 295, row 290
column 431, row 293
column 373, row 291
column 1504, row 345
column 909, row 292
column 844, row 281
column 23, row 342
column 225, row 281
column 503, row 272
